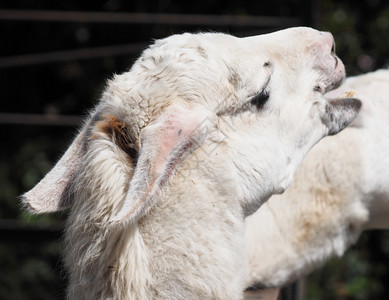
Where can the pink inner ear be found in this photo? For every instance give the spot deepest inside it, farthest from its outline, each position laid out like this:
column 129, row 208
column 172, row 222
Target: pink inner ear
column 174, row 131
column 170, row 138
column 164, row 144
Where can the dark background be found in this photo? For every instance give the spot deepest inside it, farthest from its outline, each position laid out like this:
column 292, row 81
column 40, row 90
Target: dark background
column 51, row 72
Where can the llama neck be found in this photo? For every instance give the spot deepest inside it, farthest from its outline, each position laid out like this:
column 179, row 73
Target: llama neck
column 188, row 246
column 194, row 239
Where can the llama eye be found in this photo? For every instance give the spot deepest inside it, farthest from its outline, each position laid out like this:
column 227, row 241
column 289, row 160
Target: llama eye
column 318, row 88
column 260, row 99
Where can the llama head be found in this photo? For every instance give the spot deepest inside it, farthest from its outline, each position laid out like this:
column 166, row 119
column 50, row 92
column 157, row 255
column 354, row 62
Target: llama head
column 261, row 97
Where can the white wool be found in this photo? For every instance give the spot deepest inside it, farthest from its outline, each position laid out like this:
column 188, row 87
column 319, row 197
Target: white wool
column 197, row 135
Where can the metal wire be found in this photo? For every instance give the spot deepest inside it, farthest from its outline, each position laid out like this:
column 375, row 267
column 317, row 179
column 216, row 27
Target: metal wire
column 147, row 18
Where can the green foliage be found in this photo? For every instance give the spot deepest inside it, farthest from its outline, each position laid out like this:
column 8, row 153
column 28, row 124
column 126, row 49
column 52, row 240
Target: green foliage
column 30, row 271
column 360, row 29
column 379, row 31
column 361, row 274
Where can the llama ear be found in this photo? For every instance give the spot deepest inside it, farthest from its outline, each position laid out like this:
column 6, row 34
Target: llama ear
column 339, row 113
column 53, row 192
column 165, row 142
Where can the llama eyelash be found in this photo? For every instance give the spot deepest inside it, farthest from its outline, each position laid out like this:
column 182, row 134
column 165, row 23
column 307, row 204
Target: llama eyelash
column 261, row 98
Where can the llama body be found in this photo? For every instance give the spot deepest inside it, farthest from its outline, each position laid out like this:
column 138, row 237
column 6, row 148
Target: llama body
column 341, row 189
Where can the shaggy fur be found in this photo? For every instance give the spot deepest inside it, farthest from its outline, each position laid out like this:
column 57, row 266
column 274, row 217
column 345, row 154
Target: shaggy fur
column 341, row 188
column 178, row 152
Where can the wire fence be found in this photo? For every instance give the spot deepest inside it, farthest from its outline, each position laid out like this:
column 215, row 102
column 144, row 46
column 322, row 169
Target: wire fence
column 146, row 18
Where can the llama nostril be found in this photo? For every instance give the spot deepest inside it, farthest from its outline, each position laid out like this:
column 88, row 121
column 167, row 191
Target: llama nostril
column 333, row 48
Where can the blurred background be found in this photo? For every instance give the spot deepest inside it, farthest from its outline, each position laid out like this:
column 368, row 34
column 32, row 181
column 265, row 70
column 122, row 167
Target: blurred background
column 54, row 59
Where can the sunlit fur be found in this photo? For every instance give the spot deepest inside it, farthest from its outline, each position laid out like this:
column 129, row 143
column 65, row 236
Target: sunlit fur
column 175, row 155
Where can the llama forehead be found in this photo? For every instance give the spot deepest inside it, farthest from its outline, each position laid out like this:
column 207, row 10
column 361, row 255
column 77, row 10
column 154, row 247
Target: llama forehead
column 198, row 41
column 186, row 46
column 294, row 46
column 188, row 67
